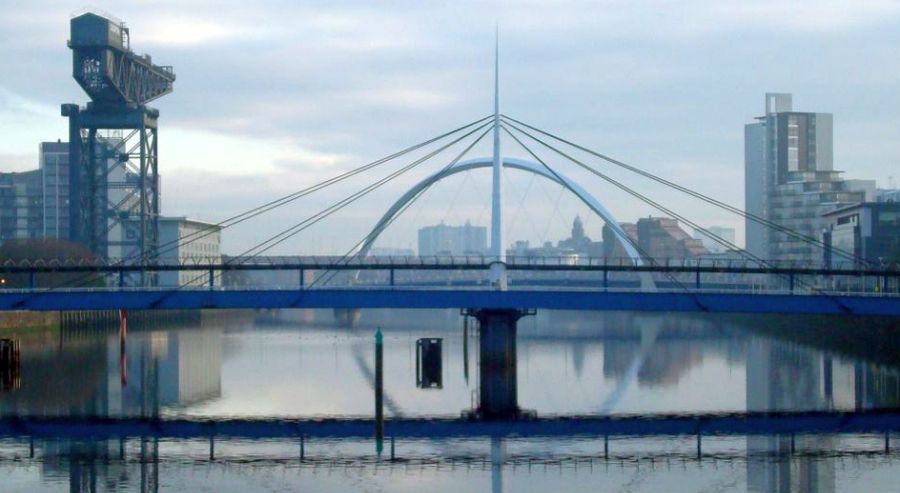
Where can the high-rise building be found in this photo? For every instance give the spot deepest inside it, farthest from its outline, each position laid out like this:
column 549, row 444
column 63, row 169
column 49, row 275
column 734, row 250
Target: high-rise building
column 453, row 240
column 53, row 162
column 20, row 205
column 790, row 180
column 711, row 244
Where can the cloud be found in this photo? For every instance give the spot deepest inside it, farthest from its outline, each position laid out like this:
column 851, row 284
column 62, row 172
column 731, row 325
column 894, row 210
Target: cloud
column 275, row 93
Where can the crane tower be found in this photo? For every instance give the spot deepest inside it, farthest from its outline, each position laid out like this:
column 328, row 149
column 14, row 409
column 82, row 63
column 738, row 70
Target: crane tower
column 114, row 197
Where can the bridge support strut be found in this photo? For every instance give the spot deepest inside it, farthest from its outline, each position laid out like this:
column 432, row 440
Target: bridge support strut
column 498, row 393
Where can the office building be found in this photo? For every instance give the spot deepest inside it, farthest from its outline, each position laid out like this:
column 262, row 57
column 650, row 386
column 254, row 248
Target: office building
column 713, row 245
column 53, row 163
column 790, row 180
column 452, row 240
column 185, row 241
column 20, row 205
column 864, row 232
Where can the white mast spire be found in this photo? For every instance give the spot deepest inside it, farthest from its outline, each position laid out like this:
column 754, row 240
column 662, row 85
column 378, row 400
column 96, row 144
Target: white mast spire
column 498, row 256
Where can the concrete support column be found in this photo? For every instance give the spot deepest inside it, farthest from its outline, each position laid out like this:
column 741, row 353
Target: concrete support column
column 498, row 394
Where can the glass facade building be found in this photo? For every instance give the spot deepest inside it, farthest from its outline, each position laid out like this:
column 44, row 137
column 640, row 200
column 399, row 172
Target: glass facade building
column 790, row 180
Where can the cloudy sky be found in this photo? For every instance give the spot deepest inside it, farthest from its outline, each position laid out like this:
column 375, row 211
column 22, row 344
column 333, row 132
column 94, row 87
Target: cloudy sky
column 275, row 95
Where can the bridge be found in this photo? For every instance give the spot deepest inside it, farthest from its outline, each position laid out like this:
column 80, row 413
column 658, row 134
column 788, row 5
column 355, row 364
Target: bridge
column 494, row 288
column 462, row 283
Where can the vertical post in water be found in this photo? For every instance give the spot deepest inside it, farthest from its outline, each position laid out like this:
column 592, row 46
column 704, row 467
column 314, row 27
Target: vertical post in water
column 379, row 391
column 466, row 348
column 123, row 327
column 123, row 337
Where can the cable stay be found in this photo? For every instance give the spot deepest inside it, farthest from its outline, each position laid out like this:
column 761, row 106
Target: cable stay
column 646, row 279
column 656, row 205
column 308, row 222
column 270, row 205
column 722, row 205
column 361, row 247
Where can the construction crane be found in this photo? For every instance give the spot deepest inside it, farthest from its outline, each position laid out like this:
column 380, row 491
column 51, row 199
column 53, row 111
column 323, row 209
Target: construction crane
column 114, row 192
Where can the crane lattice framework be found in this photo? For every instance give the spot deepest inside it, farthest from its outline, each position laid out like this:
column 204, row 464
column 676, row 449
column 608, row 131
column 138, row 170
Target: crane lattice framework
column 114, row 179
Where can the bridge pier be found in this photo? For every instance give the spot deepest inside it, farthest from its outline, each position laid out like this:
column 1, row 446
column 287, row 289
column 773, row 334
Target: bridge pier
column 498, row 393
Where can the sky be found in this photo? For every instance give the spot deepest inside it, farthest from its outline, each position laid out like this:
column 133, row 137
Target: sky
column 272, row 96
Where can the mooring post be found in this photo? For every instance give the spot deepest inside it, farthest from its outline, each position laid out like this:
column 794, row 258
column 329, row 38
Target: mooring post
column 123, row 326
column 466, row 348
column 123, row 355
column 302, row 448
column 379, row 391
column 699, row 446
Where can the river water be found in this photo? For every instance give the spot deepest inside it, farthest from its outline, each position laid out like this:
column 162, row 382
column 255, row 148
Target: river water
column 303, row 365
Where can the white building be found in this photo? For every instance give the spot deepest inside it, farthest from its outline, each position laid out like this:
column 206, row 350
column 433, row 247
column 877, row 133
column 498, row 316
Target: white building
column 186, row 241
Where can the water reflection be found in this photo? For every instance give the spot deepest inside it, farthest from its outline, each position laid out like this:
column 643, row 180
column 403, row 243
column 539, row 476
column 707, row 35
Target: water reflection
column 568, row 363
column 87, row 373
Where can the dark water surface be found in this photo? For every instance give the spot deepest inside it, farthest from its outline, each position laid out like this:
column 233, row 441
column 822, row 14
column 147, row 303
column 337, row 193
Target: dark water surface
column 308, row 366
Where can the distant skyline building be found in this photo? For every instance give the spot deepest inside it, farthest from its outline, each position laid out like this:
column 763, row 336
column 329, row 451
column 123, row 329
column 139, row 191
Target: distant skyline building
column 391, row 252
column 790, row 180
column 887, row 195
column 613, row 251
column 727, row 234
column 577, row 246
column 443, row 239
column 663, row 238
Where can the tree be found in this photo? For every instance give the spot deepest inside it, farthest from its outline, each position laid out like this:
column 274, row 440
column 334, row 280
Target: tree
column 47, row 251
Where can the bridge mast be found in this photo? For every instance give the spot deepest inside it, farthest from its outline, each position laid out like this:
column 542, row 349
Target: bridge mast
column 498, row 256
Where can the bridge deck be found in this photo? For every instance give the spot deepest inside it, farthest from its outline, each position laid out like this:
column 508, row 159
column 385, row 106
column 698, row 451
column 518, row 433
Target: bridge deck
column 350, row 298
